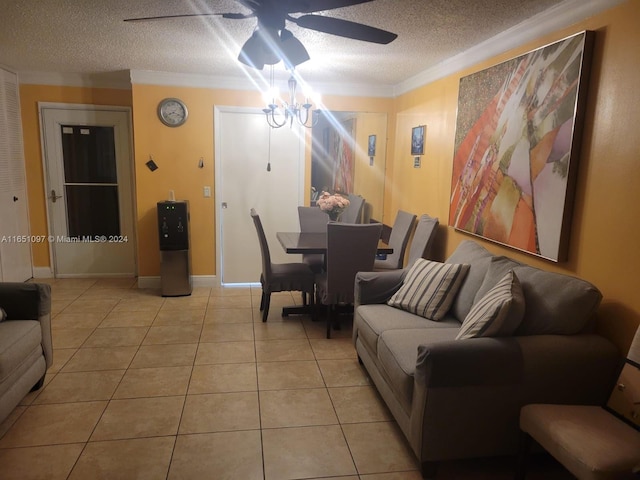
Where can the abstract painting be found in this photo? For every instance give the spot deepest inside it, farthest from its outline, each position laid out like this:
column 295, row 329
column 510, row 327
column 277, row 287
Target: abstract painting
column 517, row 146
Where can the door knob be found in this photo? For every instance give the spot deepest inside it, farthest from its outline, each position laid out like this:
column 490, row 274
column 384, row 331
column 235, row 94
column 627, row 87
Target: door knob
column 224, row 205
column 53, row 197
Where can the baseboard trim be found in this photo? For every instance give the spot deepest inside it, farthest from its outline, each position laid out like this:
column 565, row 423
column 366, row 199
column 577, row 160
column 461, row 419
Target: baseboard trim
column 42, row 272
column 197, row 280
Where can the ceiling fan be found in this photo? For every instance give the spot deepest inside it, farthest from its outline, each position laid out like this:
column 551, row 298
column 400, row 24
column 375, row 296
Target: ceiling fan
column 271, row 42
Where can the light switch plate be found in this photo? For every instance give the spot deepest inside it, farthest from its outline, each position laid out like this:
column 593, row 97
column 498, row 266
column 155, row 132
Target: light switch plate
column 207, row 191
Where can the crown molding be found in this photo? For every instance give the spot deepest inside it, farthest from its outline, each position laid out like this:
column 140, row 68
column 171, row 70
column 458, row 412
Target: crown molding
column 117, row 80
column 257, row 81
column 560, row 16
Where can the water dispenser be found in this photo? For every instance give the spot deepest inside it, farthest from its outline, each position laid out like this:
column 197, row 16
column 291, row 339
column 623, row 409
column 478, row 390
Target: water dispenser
column 175, row 254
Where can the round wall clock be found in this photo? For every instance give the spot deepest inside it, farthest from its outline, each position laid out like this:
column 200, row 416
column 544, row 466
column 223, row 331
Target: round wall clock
column 172, row 112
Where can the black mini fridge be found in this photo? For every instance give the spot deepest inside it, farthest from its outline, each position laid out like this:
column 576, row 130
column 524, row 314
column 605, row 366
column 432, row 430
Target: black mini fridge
column 175, row 254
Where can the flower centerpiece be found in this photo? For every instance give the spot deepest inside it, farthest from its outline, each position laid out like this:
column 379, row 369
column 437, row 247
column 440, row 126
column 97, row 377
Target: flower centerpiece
column 332, row 203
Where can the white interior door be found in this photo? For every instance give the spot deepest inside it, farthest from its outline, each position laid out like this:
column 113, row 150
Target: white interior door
column 15, row 242
column 245, row 145
column 89, row 189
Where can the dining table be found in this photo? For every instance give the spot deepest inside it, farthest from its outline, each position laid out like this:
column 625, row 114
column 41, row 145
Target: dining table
column 309, row 243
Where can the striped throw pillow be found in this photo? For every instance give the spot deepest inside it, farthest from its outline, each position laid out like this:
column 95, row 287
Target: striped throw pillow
column 498, row 313
column 429, row 288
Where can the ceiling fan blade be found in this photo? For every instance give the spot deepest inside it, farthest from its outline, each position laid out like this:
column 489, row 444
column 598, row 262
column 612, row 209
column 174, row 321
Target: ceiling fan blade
column 235, row 16
column 310, row 6
column 344, row 28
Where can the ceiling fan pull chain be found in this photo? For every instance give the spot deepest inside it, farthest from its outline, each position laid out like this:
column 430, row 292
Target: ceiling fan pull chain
column 269, row 153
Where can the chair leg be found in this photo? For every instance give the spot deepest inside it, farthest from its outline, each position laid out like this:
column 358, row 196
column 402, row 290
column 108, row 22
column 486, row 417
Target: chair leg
column 262, row 301
column 266, row 297
column 328, row 321
column 523, row 456
column 429, row 470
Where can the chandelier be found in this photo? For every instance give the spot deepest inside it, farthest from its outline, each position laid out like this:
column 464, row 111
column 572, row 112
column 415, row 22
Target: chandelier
column 289, row 111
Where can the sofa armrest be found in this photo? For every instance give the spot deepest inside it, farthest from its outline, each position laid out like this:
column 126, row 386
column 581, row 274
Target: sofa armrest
column 551, row 368
column 572, row 369
column 468, row 393
column 30, row 301
column 471, row 362
column 377, row 287
column 25, row 301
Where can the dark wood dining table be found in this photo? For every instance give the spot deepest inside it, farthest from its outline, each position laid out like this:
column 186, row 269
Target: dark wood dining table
column 299, row 242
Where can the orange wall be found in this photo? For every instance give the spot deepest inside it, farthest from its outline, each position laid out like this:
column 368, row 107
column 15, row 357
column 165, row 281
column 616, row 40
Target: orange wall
column 177, row 151
column 368, row 178
column 605, row 232
column 30, row 95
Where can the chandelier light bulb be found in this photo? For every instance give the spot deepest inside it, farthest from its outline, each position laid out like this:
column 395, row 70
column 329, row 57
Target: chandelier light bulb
column 271, row 95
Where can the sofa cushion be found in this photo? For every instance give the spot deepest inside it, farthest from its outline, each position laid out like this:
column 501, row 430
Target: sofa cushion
column 372, row 320
column 498, row 313
column 18, row 338
column 498, row 267
column 555, row 303
column 478, row 258
column 429, row 288
column 398, row 354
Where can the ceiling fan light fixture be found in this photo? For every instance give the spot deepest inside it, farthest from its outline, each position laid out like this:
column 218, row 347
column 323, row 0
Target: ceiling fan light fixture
column 292, row 50
column 252, row 52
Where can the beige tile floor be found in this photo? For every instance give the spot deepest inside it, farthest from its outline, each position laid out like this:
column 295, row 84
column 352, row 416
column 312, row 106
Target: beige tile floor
column 197, row 387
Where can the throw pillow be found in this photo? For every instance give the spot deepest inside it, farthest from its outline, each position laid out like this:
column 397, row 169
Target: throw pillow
column 498, row 313
column 429, row 288
column 3, row 314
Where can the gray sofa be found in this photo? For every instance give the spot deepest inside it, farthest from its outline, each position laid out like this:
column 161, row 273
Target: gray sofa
column 461, row 398
column 26, row 350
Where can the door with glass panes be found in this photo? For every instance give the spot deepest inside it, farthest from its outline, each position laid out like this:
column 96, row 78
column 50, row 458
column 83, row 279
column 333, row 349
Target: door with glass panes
column 89, row 191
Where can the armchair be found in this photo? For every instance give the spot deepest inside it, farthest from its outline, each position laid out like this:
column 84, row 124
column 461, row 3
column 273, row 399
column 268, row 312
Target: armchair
column 26, row 348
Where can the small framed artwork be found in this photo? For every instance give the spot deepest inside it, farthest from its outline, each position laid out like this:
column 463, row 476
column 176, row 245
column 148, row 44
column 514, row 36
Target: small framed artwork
column 372, row 146
column 417, row 140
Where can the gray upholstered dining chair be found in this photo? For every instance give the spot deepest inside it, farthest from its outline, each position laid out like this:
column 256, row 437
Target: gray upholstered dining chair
column 351, row 248
column 313, row 220
column 280, row 277
column 353, row 213
column 422, row 239
column 400, row 233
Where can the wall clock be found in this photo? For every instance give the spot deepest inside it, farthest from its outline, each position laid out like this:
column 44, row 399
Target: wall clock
column 172, row 112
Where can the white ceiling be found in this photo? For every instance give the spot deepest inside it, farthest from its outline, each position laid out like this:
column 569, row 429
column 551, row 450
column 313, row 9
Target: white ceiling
column 89, row 37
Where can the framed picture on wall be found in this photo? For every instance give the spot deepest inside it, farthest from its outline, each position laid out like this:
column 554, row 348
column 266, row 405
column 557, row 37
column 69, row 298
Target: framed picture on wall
column 372, row 146
column 417, row 140
column 516, row 148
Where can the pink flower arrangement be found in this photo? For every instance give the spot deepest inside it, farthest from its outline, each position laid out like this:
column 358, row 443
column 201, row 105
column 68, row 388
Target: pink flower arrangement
column 332, row 203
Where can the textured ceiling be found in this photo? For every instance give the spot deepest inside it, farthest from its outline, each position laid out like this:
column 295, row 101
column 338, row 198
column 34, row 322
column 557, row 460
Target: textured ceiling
column 90, row 36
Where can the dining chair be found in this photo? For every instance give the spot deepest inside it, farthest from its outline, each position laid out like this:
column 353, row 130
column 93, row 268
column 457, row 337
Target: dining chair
column 353, row 213
column 280, row 277
column 423, row 238
column 313, row 220
column 400, row 233
column 351, row 248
